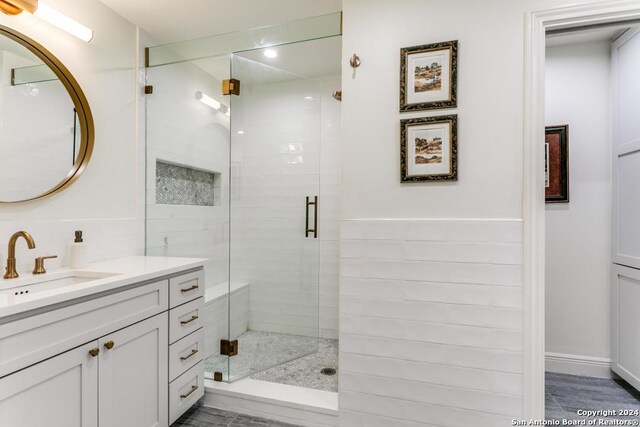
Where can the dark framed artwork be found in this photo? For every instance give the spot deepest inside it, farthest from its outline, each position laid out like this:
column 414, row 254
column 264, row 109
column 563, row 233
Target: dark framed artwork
column 556, row 164
column 429, row 149
column 429, row 76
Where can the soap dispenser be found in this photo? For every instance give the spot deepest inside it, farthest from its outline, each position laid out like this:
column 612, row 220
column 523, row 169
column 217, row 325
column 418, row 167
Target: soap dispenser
column 79, row 258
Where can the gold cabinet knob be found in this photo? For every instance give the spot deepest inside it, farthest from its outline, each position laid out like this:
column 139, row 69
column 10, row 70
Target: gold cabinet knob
column 109, row 345
column 94, row 352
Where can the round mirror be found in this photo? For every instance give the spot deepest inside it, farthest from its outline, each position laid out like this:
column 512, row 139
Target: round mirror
column 46, row 127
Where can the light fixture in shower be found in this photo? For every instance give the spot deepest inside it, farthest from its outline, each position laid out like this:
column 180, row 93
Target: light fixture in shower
column 270, row 53
column 208, row 101
column 49, row 14
column 309, row 98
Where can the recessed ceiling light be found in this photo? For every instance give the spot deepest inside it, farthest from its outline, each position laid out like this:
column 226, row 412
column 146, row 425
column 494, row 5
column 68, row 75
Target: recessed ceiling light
column 309, row 98
column 241, row 132
column 270, row 53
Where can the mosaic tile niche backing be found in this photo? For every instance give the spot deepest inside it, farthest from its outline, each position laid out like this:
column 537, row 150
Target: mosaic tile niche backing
column 180, row 185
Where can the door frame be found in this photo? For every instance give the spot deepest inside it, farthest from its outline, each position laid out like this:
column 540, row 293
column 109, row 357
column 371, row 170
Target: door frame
column 537, row 23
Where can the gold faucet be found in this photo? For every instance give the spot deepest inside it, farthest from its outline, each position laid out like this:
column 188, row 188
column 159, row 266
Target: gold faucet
column 11, row 258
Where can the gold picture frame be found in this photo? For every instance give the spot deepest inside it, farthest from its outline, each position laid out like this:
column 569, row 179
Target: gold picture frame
column 429, row 149
column 429, row 76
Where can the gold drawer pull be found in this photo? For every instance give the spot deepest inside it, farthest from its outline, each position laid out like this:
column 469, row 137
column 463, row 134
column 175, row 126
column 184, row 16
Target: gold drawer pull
column 94, row 352
column 109, row 345
column 184, row 322
column 193, row 353
column 193, row 288
column 193, row 388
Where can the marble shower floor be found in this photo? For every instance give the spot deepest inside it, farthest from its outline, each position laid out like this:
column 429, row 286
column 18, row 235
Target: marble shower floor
column 566, row 394
column 260, row 349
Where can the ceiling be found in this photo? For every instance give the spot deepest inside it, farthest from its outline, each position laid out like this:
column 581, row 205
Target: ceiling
column 309, row 60
column 168, row 21
column 577, row 35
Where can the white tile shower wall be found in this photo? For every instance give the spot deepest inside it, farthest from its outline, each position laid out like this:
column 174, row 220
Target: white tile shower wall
column 280, row 161
column 431, row 322
column 184, row 131
column 329, row 206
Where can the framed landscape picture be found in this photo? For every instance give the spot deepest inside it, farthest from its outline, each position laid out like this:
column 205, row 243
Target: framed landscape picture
column 429, row 149
column 556, row 164
column 428, row 76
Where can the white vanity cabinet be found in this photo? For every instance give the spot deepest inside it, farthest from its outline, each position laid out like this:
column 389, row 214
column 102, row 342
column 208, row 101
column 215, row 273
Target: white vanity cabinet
column 59, row 392
column 104, row 360
column 186, row 339
column 132, row 375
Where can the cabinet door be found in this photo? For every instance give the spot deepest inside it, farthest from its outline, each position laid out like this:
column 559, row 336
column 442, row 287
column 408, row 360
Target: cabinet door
column 59, row 392
column 625, row 317
column 626, row 150
column 133, row 375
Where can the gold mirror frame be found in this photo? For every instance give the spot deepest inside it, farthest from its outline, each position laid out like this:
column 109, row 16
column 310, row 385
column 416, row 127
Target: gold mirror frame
column 85, row 119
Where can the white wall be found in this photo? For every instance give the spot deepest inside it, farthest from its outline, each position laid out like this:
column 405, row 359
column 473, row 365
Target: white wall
column 107, row 200
column 491, row 114
column 578, row 234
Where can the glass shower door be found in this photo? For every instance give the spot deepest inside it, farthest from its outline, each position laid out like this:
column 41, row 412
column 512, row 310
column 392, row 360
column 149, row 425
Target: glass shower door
column 273, row 198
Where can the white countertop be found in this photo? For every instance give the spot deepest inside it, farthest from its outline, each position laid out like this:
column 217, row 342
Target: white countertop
column 120, row 272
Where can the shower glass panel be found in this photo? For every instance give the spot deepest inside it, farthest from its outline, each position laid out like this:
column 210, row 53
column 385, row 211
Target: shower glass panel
column 235, row 179
column 275, row 164
column 187, row 167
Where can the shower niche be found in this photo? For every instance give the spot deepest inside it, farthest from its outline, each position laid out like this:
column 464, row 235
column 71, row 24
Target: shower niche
column 183, row 185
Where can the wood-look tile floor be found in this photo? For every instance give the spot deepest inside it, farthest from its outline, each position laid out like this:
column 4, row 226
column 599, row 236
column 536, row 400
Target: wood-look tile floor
column 204, row 416
column 566, row 394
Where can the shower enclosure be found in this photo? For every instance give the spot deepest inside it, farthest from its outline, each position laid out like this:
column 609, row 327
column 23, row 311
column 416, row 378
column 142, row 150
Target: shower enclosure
column 234, row 129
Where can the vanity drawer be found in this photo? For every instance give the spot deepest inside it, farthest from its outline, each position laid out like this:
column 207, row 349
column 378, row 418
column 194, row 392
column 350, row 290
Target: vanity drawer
column 186, row 288
column 186, row 353
column 185, row 391
column 185, row 319
column 27, row 341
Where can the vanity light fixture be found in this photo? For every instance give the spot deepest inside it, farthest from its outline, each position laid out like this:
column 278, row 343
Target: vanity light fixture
column 270, row 53
column 207, row 100
column 49, row 14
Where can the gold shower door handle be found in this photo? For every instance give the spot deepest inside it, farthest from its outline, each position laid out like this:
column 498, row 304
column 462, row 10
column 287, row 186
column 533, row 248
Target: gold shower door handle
column 313, row 230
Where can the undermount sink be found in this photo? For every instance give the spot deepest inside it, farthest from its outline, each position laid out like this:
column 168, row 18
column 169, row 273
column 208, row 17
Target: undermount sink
column 37, row 287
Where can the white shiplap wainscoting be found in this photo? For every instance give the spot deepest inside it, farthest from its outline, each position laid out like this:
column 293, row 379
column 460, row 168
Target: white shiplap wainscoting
column 431, row 323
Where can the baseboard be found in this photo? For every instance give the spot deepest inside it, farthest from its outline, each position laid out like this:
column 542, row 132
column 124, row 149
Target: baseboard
column 574, row 364
column 280, row 402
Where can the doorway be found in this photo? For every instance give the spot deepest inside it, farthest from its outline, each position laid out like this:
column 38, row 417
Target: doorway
column 541, row 24
column 579, row 140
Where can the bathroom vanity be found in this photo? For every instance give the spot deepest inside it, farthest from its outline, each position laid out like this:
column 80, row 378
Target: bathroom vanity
column 120, row 343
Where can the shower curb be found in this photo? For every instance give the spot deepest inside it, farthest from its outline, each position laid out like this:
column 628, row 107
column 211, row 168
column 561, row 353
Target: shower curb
column 280, row 402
